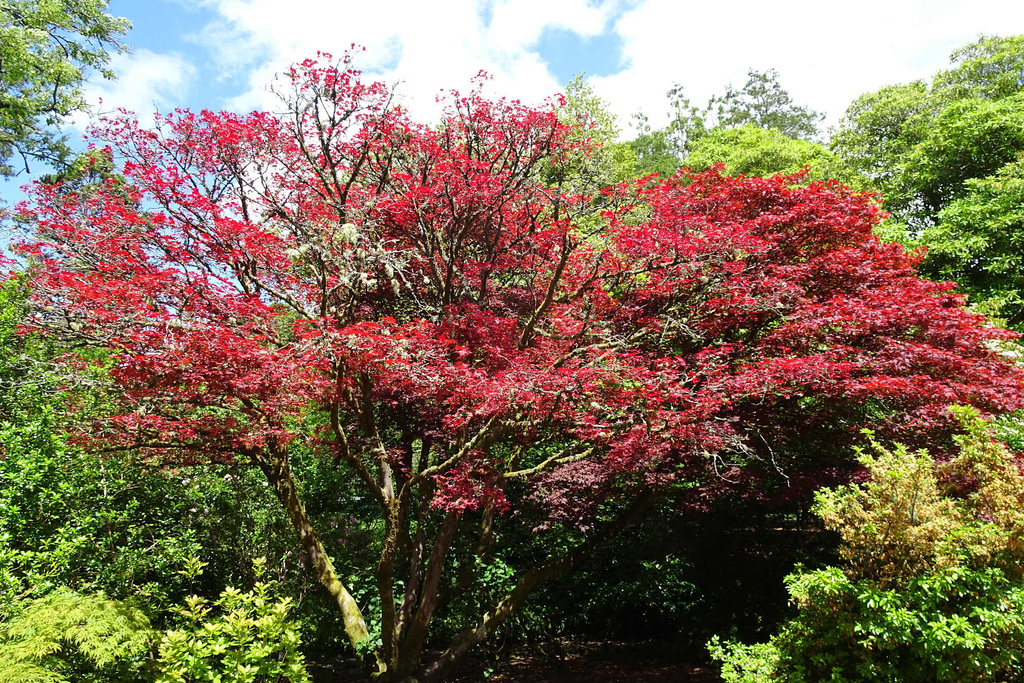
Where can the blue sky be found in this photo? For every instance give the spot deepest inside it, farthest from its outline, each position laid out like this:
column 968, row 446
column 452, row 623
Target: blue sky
column 223, row 53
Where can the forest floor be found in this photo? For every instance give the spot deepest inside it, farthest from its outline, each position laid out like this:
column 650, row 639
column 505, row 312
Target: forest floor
column 577, row 662
column 592, row 662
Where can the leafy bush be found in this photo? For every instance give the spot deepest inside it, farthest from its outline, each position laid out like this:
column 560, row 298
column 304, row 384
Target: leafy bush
column 931, row 589
column 248, row 639
column 745, row 663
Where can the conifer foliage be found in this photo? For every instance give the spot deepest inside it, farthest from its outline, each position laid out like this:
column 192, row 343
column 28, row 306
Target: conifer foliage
column 415, row 303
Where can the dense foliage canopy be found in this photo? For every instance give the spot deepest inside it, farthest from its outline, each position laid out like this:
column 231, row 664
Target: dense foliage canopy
column 946, row 156
column 437, row 312
column 763, row 152
column 47, row 49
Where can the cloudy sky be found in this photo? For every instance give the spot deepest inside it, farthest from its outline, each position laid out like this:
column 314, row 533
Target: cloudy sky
column 223, row 53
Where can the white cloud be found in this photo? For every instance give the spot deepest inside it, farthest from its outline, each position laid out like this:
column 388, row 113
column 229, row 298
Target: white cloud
column 826, row 53
column 517, row 24
column 425, row 47
column 146, row 82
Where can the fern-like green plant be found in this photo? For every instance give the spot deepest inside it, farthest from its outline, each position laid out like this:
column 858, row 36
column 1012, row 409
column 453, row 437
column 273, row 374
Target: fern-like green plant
column 38, row 645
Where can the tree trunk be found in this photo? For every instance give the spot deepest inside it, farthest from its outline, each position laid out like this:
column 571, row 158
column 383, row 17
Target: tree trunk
column 411, row 646
column 468, row 639
column 279, row 474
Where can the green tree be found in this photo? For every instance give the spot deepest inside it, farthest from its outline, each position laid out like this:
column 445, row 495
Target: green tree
column 880, row 129
column 752, row 151
column 764, row 103
column 992, row 67
column 697, row 137
column 599, row 160
column 978, row 241
column 689, row 122
column 653, row 149
column 946, row 156
column 47, row 50
column 968, row 139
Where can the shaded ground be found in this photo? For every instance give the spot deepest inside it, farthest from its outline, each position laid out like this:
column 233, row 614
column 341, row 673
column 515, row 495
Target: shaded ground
column 595, row 663
column 579, row 662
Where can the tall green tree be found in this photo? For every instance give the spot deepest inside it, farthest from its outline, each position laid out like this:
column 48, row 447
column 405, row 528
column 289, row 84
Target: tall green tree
column 979, row 241
column 992, row 67
column 879, row 130
column 655, row 150
column 599, row 160
column 47, row 50
column 764, row 103
column 919, row 143
column 946, row 157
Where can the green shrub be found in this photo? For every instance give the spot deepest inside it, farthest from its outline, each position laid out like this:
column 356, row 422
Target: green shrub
column 242, row 638
column 931, row 589
column 741, row 663
column 67, row 636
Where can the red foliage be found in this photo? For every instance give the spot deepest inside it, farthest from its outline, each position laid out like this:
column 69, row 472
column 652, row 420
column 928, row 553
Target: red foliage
column 422, row 285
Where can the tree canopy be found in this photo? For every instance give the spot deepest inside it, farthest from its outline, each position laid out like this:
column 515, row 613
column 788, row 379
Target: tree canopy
column 749, row 150
column 941, row 153
column 764, row 103
column 47, row 49
column 421, row 306
column 761, row 104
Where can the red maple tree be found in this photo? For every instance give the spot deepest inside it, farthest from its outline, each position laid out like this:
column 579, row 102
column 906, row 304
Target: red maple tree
column 418, row 304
